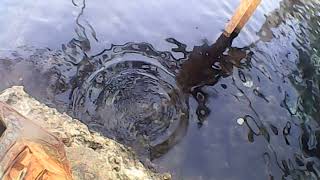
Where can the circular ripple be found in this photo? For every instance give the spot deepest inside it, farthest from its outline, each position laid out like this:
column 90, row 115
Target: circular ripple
column 133, row 101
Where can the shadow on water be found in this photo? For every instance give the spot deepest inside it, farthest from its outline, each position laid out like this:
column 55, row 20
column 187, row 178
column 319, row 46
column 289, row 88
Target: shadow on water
column 201, row 116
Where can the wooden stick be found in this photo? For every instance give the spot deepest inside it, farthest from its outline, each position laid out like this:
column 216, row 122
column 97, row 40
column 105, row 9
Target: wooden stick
column 198, row 71
column 241, row 16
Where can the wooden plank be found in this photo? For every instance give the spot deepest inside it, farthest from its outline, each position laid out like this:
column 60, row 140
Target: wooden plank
column 241, row 16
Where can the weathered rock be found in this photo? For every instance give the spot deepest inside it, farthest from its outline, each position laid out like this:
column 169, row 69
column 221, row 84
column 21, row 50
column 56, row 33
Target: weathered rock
column 91, row 155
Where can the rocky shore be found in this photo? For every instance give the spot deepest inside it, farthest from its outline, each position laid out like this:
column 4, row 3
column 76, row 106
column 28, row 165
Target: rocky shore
column 91, row 155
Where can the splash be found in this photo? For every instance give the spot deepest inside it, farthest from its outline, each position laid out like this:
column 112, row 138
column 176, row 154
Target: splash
column 131, row 95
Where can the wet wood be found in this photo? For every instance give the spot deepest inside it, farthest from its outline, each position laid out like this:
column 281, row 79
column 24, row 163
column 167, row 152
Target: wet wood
column 241, row 16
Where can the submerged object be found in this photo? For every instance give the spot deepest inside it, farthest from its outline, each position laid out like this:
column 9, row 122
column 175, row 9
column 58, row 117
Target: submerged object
column 27, row 151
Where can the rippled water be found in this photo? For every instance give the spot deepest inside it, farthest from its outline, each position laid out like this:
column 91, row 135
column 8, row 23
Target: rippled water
column 117, row 66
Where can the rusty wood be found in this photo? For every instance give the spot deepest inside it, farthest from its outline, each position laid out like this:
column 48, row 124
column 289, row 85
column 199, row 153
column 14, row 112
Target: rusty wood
column 241, row 16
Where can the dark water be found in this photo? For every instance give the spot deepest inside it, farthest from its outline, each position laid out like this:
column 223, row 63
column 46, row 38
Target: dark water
column 114, row 66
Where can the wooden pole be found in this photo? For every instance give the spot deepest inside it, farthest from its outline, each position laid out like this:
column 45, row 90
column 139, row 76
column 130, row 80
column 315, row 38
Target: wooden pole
column 241, row 16
column 198, row 69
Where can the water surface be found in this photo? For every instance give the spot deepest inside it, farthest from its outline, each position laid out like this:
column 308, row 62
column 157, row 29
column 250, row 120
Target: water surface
column 113, row 65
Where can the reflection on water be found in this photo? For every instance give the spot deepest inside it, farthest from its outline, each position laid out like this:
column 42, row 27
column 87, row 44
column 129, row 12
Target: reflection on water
column 285, row 56
column 127, row 92
column 251, row 113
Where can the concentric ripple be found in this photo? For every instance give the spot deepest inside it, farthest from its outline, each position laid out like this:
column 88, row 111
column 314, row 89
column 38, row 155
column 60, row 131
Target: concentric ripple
column 133, row 99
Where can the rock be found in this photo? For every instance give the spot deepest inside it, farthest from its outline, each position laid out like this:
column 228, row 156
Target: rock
column 166, row 176
column 91, row 155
